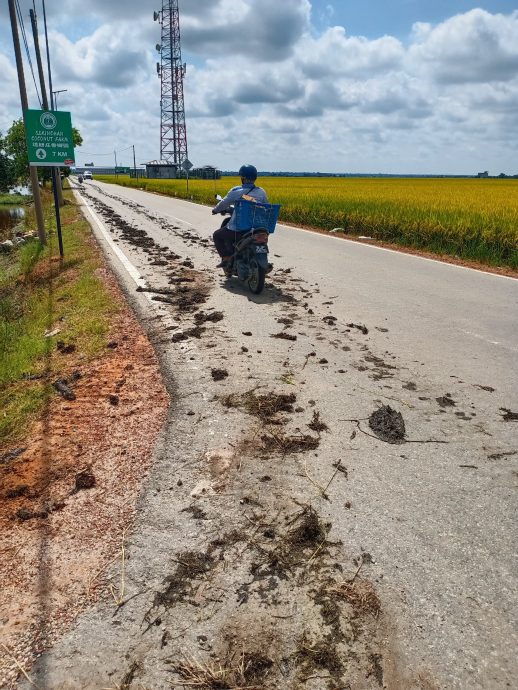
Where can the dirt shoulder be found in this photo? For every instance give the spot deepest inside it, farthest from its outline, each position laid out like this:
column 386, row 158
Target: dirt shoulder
column 69, row 484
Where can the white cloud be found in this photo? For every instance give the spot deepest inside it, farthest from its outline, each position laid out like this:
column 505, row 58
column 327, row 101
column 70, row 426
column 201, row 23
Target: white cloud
column 473, row 47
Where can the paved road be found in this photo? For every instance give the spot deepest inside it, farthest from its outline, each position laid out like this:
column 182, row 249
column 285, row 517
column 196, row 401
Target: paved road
column 435, row 517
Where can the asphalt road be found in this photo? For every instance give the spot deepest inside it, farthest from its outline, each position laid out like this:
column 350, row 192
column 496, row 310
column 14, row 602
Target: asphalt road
column 434, row 517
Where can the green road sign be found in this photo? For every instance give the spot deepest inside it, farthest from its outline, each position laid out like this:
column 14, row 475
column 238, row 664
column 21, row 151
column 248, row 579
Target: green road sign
column 122, row 169
column 49, row 138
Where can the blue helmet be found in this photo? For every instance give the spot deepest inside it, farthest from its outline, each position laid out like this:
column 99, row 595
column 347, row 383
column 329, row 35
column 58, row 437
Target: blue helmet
column 248, row 172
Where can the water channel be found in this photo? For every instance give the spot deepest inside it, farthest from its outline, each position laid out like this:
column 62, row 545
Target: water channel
column 9, row 217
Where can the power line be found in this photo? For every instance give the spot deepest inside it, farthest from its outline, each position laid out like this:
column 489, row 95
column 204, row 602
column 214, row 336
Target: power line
column 86, row 153
column 24, row 36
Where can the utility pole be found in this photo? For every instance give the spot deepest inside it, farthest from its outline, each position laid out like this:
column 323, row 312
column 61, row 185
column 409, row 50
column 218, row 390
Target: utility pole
column 134, row 162
column 52, row 104
column 56, row 179
column 116, row 173
column 40, row 220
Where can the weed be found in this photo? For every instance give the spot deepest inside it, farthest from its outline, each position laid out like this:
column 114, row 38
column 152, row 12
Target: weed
column 244, row 670
column 359, row 594
column 283, row 443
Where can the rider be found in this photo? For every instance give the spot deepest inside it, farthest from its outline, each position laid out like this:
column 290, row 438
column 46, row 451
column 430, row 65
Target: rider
column 225, row 237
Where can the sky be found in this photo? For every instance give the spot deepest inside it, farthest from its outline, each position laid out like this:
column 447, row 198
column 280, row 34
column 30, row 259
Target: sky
column 379, row 86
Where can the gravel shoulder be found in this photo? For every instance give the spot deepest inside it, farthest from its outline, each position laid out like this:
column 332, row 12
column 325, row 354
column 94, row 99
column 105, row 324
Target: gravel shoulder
column 285, row 537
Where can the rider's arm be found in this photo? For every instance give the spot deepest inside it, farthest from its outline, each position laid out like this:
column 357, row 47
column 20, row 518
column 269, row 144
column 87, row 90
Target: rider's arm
column 234, row 195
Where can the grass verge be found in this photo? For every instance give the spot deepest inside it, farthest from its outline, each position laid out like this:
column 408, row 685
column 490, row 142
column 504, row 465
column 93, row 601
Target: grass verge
column 13, row 199
column 41, row 295
column 470, row 219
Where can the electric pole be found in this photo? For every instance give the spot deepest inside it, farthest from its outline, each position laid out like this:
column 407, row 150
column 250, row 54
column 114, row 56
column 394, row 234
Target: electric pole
column 134, row 162
column 40, row 220
column 53, row 106
column 56, row 178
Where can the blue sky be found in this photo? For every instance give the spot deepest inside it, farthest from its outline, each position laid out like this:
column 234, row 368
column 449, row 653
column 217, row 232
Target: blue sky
column 374, row 18
column 397, row 86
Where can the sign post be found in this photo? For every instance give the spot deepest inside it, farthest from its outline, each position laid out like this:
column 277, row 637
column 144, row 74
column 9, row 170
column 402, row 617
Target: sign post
column 50, row 144
column 49, row 138
column 187, row 165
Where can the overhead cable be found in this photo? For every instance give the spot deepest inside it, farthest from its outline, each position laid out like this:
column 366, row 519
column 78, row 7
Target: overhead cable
column 26, row 44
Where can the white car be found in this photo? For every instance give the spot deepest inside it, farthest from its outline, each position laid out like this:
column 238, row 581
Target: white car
column 88, row 175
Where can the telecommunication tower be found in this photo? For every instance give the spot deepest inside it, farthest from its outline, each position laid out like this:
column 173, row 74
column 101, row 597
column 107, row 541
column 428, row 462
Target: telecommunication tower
column 171, row 70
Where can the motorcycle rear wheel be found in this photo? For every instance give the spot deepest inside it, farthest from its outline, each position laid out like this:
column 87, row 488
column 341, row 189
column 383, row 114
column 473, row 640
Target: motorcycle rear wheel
column 256, row 278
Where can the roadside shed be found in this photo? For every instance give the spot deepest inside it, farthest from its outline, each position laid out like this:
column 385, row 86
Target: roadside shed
column 161, row 169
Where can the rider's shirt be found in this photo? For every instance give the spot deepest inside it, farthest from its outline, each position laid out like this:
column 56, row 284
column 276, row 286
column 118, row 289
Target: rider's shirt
column 235, row 194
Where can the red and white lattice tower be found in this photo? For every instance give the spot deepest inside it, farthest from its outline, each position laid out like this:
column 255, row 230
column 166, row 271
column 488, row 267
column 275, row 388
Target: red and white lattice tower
column 171, row 69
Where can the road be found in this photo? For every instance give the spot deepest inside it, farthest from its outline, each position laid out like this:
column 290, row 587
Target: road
column 428, row 524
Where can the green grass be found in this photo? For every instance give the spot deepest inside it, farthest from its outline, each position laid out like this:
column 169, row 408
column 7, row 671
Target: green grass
column 469, row 218
column 37, row 295
column 13, row 199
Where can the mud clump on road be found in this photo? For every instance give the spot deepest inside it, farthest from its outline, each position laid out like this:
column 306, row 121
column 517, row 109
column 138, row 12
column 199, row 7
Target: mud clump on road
column 213, row 317
column 322, row 655
column 219, row 374
column 284, row 336
column 179, row 585
column 190, row 299
column 509, row 416
column 195, row 332
column 309, row 530
column 446, row 401
column 388, row 425
column 317, row 424
column 359, row 327
column 265, row 407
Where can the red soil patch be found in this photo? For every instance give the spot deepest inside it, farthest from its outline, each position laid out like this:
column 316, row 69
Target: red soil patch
column 66, row 500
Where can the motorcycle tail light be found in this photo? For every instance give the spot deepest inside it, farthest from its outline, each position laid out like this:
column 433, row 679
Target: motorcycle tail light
column 261, row 238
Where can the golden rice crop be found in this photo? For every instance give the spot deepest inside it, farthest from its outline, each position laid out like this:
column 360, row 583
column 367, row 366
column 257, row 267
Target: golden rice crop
column 471, row 218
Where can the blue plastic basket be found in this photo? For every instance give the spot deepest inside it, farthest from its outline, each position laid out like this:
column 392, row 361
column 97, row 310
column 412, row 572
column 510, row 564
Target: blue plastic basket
column 250, row 214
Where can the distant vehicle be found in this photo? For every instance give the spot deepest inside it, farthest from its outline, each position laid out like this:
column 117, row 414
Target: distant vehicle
column 88, row 175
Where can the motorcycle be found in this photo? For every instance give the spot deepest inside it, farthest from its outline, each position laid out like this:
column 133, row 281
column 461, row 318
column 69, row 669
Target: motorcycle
column 250, row 259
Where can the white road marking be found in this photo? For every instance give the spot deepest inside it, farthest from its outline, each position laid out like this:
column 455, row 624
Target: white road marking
column 491, row 342
column 130, row 268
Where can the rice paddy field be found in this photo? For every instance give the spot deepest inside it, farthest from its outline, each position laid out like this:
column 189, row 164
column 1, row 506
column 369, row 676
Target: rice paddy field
column 472, row 219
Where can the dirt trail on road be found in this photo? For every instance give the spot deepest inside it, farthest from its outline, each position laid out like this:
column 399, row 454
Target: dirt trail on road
column 276, row 544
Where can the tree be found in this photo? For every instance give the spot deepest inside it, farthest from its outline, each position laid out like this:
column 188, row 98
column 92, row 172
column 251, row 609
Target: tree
column 7, row 179
column 16, row 149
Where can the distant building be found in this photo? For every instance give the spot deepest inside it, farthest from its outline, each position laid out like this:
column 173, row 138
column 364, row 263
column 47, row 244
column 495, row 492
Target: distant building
column 163, row 170
column 206, row 172
column 483, row 174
